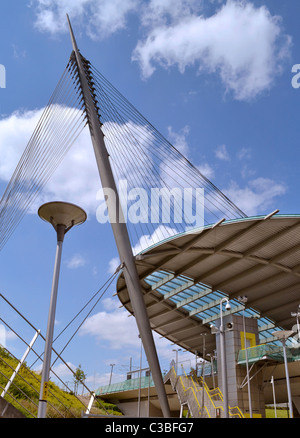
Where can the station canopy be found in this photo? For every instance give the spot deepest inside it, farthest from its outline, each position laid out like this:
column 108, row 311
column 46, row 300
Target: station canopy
column 184, row 278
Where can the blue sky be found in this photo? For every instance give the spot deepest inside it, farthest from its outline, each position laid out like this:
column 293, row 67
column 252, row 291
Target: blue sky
column 213, row 76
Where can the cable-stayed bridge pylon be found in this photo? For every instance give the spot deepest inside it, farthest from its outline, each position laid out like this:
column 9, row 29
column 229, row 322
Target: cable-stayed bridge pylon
column 135, row 162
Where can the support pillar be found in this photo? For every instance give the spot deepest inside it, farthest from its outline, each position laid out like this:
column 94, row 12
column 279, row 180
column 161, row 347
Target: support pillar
column 237, row 373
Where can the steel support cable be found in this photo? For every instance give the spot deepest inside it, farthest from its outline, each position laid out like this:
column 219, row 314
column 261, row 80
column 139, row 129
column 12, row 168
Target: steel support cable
column 17, row 181
column 117, row 161
column 13, row 225
column 128, row 136
column 13, row 198
column 29, row 181
column 103, row 103
column 47, row 129
column 29, row 150
column 112, row 131
column 108, row 283
column 141, row 120
column 139, row 117
column 135, row 156
column 29, row 201
column 181, row 175
column 39, row 356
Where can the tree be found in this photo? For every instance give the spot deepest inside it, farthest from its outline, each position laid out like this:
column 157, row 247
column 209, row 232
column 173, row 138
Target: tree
column 79, row 377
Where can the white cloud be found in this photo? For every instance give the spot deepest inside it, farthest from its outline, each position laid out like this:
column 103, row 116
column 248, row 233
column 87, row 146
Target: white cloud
column 178, row 139
column 113, row 264
column 115, row 327
column 244, row 154
column 15, row 132
column 258, row 195
column 206, row 170
column 76, row 261
column 101, row 18
column 158, row 13
column 76, row 179
column 243, row 44
column 160, row 233
column 222, row 153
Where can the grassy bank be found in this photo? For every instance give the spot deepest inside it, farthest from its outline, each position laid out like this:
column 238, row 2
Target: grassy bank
column 24, row 393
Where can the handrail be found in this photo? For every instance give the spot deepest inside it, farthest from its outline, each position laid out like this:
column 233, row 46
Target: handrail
column 178, row 381
column 196, row 398
column 219, row 393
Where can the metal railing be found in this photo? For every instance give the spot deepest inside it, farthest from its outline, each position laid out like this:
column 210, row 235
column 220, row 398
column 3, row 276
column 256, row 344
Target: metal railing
column 268, row 351
column 126, row 385
column 212, row 399
column 20, row 386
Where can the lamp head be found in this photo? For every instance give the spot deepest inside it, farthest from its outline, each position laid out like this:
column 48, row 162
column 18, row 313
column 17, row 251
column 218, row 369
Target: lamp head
column 62, row 216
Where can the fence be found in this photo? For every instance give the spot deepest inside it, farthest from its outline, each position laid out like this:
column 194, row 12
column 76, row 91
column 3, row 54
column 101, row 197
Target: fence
column 19, row 384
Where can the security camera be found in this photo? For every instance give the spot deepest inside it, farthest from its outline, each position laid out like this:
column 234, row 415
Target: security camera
column 228, row 306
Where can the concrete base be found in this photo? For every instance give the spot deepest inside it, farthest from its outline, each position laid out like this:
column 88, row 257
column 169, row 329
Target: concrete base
column 9, row 411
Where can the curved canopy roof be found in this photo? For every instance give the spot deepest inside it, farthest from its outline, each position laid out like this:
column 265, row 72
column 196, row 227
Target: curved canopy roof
column 184, row 278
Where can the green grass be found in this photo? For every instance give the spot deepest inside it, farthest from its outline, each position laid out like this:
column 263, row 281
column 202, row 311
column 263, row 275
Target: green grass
column 25, row 393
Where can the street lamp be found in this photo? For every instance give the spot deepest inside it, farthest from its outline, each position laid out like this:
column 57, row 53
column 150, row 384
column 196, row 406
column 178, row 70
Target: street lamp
column 244, row 300
column 282, row 335
column 274, row 398
column 111, row 371
column 212, row 357
column 62, row 216
column 176, row 350
column 297, row 315
column 223, row 358
column 203, row 368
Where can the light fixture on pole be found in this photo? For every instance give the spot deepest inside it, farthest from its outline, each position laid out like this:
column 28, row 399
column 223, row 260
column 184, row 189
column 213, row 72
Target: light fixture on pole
column 203, row 369
column 111, row 371
column 297, row 315
column 243, row 300
column 274, row 398
column 62, row 216
column 212, row 357
column 282, row 335
column 223, row 358
column 176, row 363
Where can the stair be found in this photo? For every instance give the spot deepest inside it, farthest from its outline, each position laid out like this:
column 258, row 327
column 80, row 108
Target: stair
column 200, row 401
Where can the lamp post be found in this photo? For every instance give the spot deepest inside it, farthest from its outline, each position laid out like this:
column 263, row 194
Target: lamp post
column 196, row 364
column 274, row 398
column 62, row 216
column 212, row 357
column 111, row 371
column 203, row 368
column 297, row 315
column 244, row 300
column 223, row 358
column 176, row 363
column 282, row 335
column 140, row 378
